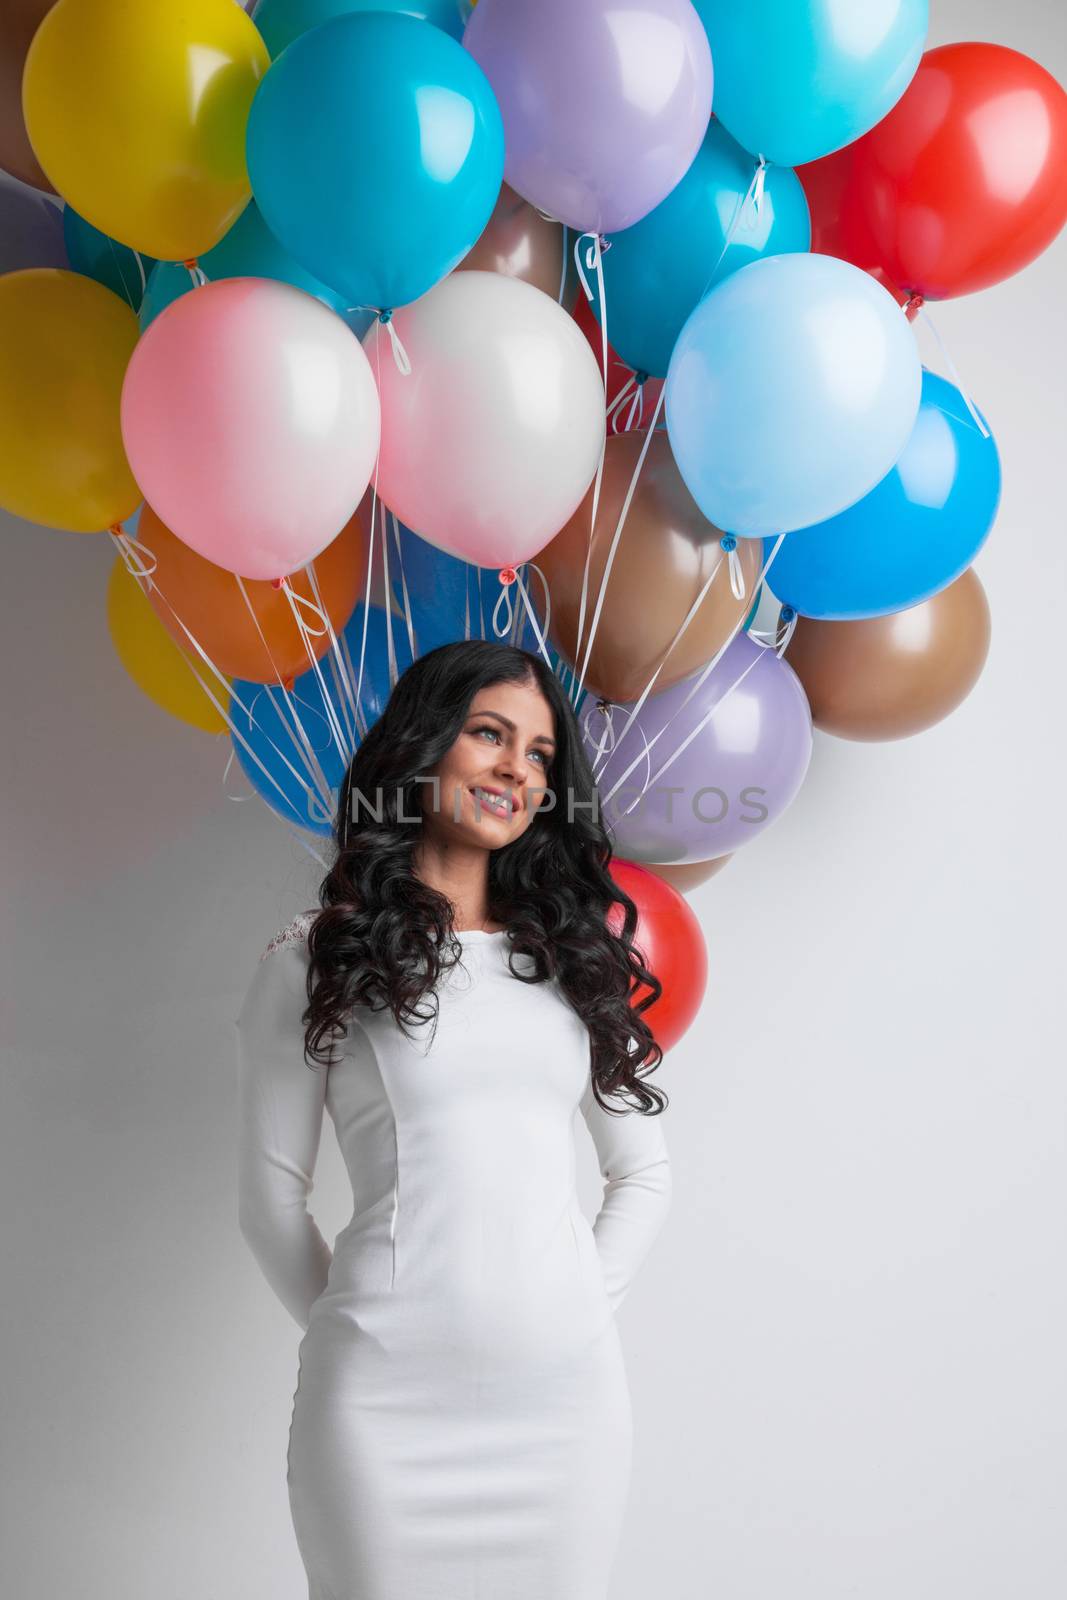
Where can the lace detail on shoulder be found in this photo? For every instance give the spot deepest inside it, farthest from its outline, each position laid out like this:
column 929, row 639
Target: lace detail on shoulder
column 296, row 930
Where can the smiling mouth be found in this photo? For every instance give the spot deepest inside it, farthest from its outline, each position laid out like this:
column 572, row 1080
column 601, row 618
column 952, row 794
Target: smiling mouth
column 499, row 804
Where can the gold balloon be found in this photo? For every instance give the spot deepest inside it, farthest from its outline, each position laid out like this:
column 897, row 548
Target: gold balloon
column 137, row 113
column 18, row 25
column 65, row 342
column 666, row 554
column 686, row 875
column 889, row 677
column 152, row 659
column 518, row 242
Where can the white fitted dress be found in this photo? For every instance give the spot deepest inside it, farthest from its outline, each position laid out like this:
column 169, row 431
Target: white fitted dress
column 461, row 1426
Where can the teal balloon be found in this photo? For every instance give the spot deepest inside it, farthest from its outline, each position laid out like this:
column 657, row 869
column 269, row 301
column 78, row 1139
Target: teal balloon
column 796, row 79
column 265, row 722
column 656, row 272
column 249, row 250
column 282, row 21
column 97, row 255
column 376, row 153
column 913, row 535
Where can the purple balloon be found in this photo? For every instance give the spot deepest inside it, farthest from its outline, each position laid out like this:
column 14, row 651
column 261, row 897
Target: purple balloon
column 732, row 780
column 31, row 228
column 605, row 102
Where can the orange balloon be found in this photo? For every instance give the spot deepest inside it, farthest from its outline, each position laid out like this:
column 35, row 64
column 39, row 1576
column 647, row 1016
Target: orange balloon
column 685, row 875
column 208, row 599
column 672, row 943
column 667, row 551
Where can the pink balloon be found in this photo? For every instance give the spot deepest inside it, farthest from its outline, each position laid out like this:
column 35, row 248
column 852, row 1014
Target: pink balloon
column 251, row 422
column 491, row 442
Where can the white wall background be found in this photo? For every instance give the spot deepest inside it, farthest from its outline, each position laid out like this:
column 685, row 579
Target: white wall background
column 846, row 1352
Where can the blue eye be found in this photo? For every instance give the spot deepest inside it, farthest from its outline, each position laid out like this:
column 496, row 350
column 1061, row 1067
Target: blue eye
column 496, row 735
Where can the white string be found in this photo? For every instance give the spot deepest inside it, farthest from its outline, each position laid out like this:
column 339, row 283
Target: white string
column 232, row 696
column 953, row 371
column 621, row 523
column 409, row 624
column 505, row 594
column 594, row 261
column 695, row 686
column 127, row 545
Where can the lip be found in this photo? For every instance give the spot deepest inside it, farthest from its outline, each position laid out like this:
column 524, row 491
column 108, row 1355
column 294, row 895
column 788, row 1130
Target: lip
column 488, row 789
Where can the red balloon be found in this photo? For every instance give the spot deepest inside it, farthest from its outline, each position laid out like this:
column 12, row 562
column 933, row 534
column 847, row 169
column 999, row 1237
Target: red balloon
column 618, row 371
column 962, row 184
column 670, row 938
column 838, row 224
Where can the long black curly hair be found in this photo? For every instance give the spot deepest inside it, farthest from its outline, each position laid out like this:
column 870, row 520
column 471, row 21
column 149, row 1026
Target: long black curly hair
column 383, row 936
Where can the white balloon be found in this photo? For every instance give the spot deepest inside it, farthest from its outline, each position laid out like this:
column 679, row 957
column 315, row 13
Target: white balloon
column 490, row 442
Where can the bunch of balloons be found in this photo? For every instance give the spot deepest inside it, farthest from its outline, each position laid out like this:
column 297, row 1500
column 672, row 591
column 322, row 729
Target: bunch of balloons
column 351, row 320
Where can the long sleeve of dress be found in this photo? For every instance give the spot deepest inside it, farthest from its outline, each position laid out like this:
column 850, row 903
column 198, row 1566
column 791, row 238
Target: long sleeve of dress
column 635, row 1164
column 280, row 1102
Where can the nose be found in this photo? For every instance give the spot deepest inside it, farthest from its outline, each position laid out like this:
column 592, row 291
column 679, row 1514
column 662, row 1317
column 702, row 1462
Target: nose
column 511, row 766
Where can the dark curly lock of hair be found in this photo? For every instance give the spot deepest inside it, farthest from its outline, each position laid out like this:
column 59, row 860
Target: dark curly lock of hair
column 383, row 936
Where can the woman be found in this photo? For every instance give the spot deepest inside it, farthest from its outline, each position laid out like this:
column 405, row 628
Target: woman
column 461, row 1425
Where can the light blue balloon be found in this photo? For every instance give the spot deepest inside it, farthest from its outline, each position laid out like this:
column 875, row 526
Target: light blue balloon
column 912, row 535
column 793, row 388
column 376, row 154
column 266, row 723
column 248, row 250
column 282, row 21
column 97, row 255
column 795, row 79
column 658, row 270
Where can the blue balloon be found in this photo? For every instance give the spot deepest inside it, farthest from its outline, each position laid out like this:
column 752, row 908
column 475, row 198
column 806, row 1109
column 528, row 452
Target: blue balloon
column 793, row 388
column 441, row 587
column 795, row 79
column 658, row 270
column 248, row 250
column 912, row 535
column 376, row 154
column 267, row 726
column 282, row 21
column 97, row 255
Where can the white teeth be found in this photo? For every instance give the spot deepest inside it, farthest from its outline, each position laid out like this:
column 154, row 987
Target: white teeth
column 498, row 803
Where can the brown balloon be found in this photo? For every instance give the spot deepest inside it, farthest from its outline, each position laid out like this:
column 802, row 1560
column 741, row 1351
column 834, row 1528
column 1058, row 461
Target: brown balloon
column 19, row 24
column 889, row 677
column 208, row 599
column 686, row 875
column 666, row 554
column 519, row 242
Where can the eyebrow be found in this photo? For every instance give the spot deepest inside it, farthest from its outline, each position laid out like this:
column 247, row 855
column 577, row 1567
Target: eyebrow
column 538, row 738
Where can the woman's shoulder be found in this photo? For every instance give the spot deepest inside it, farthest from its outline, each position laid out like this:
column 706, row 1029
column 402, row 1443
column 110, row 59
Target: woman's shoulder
column 294, row 933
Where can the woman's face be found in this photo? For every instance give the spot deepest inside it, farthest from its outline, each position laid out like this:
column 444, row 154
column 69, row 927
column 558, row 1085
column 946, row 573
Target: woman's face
column 494, row 777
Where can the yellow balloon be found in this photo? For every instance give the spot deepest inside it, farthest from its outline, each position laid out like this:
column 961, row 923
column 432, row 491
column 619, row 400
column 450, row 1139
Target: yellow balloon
column 151, row 657
column 137, row 114
column 65, row 343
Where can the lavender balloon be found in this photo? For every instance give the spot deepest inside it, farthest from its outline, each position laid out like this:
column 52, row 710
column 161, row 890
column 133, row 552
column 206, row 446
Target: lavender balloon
column 733, row 779
column 31, row 228
column 605, row 102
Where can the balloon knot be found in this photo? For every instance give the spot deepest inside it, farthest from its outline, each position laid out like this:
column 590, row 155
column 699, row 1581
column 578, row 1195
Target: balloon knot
column 190, row 262
column 913, row 305
column 385, row 316
column 603, row 705
column 728, row 542
column 640, row 378
column 276, row 583
column 787, row 614
column 507, row 574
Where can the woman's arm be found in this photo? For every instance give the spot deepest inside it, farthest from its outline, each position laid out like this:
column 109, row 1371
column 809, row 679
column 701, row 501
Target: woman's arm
column 635, row 1165
column 280, row 1105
